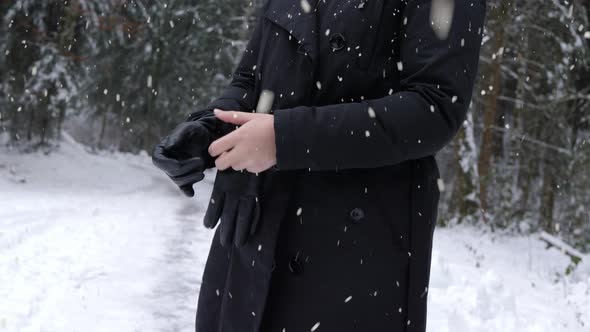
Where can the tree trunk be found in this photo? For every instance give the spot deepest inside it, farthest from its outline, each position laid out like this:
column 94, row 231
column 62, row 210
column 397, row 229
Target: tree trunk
column 30, row 125
column 463, row 185
column 548, row 198
column 491, row 105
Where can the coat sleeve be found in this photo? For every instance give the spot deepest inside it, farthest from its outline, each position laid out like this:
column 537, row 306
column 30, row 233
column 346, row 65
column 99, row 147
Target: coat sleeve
column 437, row 79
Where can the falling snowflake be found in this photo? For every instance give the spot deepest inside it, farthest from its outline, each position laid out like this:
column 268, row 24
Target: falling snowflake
column 265, row 101
column 305, row 6
column 441, row 17
column 440, row 184
column 315, row 327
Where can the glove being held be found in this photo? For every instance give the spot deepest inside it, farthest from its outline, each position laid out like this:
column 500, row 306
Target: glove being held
column 183, row 154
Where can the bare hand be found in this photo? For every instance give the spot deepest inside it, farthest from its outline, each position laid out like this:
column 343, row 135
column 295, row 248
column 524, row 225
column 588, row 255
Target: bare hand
column 250, row 147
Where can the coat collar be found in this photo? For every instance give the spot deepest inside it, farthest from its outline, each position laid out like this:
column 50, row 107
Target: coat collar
column 302, row 25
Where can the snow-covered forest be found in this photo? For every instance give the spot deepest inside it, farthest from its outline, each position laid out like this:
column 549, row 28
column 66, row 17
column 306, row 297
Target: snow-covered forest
column 87, row 87
column 117, row 74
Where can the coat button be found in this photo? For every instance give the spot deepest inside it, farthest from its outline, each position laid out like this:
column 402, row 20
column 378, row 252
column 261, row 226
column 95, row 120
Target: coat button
column 357, row 214
column 362, row 4
column 337, row 41
column 295, row 266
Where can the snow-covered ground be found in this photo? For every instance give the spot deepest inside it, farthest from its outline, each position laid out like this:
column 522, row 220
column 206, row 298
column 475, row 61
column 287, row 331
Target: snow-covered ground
column 107, row 243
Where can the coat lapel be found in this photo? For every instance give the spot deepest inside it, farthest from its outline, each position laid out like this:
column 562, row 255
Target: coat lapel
column 292, row 16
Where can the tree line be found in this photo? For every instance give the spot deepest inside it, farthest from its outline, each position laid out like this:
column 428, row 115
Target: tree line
column 117, row 73
column 522, row 159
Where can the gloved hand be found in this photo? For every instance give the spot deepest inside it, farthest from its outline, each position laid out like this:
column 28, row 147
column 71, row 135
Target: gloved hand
column 183, row 155
column 235, row 200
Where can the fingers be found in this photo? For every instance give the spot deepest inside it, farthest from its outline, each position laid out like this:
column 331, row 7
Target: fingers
column 214, row 209
column 194, row 164
column 188, row 180
column 223, row 144
column 158, row 155
column 235, row 117
column 238, row 159
column 174, row 167
column 228, row 159
column 239, row 164
column 235, row 207
column 188, row 190
column 245, row 211
column 228, row 221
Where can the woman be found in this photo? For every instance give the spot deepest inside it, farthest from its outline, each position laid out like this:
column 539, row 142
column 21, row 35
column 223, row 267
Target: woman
column 329, row 224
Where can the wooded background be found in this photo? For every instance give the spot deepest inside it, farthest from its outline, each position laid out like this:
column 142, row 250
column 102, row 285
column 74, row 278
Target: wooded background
column 118, row 75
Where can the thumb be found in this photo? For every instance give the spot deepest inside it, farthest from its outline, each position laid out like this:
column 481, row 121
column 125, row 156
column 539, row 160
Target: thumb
column 235, row 117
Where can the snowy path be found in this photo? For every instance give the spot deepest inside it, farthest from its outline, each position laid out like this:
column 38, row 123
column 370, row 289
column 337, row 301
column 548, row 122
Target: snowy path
column 120, row 250
column 107, row 243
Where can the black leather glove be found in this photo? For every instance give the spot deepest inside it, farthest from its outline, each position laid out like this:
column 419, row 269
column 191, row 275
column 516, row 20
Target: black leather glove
column 235, row 200
column 183, row 155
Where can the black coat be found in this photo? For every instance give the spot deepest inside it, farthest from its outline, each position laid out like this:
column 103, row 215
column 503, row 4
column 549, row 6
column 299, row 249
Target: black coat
column 365, row 95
